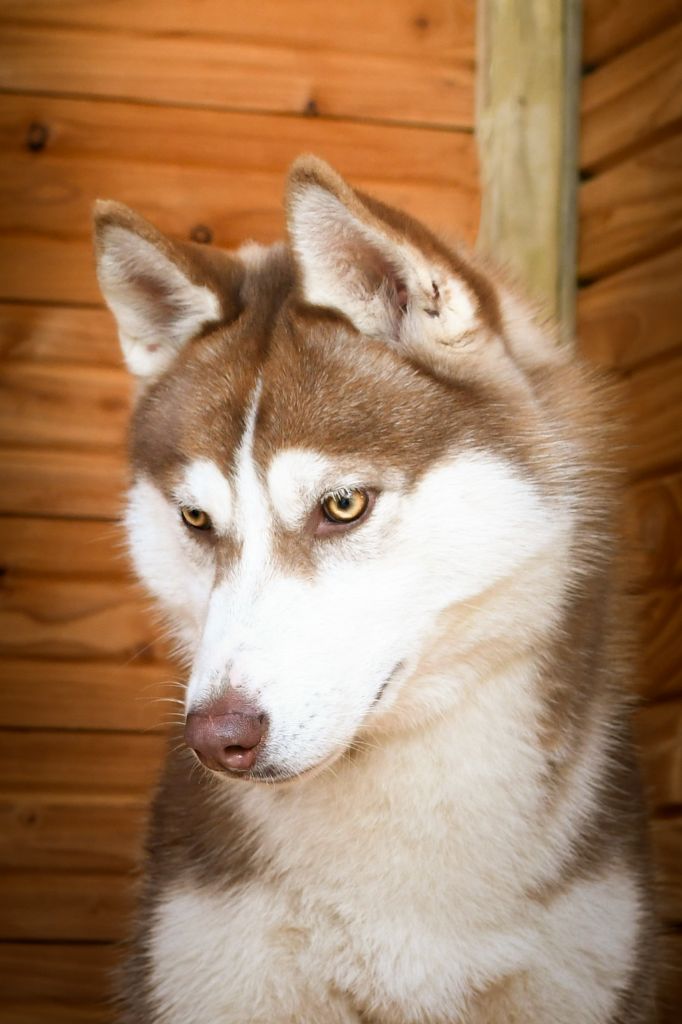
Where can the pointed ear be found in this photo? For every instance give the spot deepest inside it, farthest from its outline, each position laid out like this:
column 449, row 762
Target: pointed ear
column 385, row 272
column 161, row 294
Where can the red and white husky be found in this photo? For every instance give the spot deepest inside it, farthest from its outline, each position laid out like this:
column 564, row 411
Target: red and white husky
column 373, row 494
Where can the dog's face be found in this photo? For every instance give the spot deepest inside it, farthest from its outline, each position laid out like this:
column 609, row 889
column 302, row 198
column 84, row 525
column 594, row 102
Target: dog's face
column 330, row 450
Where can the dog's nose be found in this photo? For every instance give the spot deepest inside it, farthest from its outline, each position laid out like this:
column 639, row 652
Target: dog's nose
column 225, row 735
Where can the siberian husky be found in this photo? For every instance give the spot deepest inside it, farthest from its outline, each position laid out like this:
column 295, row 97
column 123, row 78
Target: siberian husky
column 375, row 497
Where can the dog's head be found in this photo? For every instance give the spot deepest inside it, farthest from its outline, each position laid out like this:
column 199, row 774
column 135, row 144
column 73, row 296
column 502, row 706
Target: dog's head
column 336, row 442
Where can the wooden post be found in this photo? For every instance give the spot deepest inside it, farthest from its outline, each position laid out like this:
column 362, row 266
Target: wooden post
column 527, row 126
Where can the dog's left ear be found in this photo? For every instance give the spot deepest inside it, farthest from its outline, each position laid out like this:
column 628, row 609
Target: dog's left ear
column 385, row 272
column 162, row 293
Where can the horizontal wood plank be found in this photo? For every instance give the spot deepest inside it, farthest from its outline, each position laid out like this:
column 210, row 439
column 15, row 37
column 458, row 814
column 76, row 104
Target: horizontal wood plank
column 74, row 484
column 54, row 618
column 55, row 694
column 46, row 250
column 658, row 730
column 77, row 974
column 655, row 529
column 659, row 654
column 32, row 546
column 92, row 835
column 670, row 978
column 666, row 841
column 389, row 61
column 74, row 906
column 654, row 405
column 629, row 317
column 55, row 1013
column 393, row 27
column 57, row 334
column 609, row 28
column 631, row 98
column 75, row 765
column 632, row 211
column 64, row 406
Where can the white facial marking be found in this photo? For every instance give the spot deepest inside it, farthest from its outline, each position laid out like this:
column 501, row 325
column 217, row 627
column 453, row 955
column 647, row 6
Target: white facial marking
column 178, row 571
column 206, row 488
column 296, row 478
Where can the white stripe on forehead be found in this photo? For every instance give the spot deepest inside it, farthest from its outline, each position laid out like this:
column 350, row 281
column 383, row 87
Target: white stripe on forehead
column 204, row 486
column 252, row 512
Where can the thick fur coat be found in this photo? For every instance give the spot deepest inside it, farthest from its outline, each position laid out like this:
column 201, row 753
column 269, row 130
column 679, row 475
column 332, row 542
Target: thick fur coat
column 376, row 499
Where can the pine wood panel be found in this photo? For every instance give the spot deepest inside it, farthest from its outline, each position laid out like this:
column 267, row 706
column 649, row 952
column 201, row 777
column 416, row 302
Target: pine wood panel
column 666, row 841
column 654, row 404
column 91, row 835
column 72, row 974
column 631, row 211
column 631, row 98
column 655, row 526
column 57, row 334
column 62, row 547
column 634, row 315
column 609, row 27
column 390, row 61
column 55, row 694
column 660, row 656
column 41, row 482
column 53, row 618
column 658, row 729
column 70, row 906
column 670, row 990
column 46, row 251
column 303, row 24
column 73, row 766
column 63, row 406
column 54, row 1013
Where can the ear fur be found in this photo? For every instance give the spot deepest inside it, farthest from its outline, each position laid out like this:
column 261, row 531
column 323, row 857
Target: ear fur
column 382, row 270
column 160, row 292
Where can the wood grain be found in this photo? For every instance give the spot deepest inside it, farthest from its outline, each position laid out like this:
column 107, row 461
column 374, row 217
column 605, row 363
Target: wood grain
column 80, row 549
column 55, row 1013
column 632, row 211
column 40, row 334
column 609, row 28
column 389, row 61
column 666, row 841
column 64, row 406
column 76, row 974
column 629, row 317
column 654, row 406
column 655, row 528
column 74, row 766
column 658, row 729
column 670, row 978
column 660, row 657
column 53, row 618
column 56, row 694
column 46, row 251
column 92, row 835
column 631, row 98
column 74, row 906
column 41, row 482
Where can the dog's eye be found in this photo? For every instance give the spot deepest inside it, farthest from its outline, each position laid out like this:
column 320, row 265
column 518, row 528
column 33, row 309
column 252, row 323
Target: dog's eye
column 345, row 506
column 195, row 518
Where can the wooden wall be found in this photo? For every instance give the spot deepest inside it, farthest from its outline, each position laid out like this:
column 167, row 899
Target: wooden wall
column 190, row 111
column 630, row 318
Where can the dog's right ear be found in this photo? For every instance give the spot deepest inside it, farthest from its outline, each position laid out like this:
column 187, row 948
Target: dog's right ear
column 161, row 292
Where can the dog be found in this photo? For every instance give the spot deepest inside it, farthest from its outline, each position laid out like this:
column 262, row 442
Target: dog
column 376, row 498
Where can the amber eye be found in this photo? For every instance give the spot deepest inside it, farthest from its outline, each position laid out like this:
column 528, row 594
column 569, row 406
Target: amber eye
column 345, row 506
column 195, row 518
